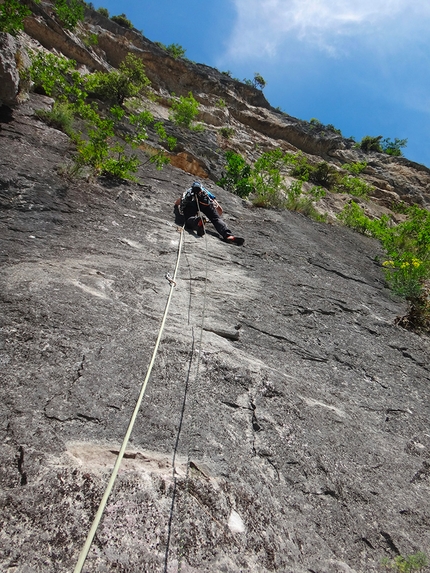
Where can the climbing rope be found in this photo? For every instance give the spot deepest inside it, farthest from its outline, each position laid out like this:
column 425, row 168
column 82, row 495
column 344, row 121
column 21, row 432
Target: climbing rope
column 198, row 351
column 84, row 553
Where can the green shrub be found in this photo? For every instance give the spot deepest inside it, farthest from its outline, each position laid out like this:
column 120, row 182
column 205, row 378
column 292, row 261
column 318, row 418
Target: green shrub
column 353, row 186
column 321, row 174
column 316, row 123
column 355, row 168
column 104, row 144
column 393, row 147
column 297, row 200
column 331, row 127
column 227, row 132
column 116, row 86
column 353, row 216
column 380, row 145
column 176, row 51
column 90, row 40
column 12, row 16
column 184, row 111
column 100, row 150
column 259, row 82
column 369, row 143
column 415, row 562
column 69, row 12
column 123, row 21
column 407, row 247
column 237, row 175
column 325, row 175
column 221, row 103
column 103, row 11
column 61, row 116
column 161, row 132
column 56, row 76
column 267, row 180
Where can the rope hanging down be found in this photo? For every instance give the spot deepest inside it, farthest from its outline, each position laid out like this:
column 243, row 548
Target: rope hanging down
column 84, row 553
column 192, row 403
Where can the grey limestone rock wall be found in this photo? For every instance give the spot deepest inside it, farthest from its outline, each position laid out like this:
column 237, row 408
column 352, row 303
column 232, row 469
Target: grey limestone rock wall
column 305, row 427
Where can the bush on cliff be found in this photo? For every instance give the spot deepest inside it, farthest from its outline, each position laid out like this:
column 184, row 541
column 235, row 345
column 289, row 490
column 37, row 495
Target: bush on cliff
column 104, row 145
column 184, row 111
column 69, row 12
column 407, row 247
column 12, row 16
column 264, row 181
column 123, row 21
column 116, row 86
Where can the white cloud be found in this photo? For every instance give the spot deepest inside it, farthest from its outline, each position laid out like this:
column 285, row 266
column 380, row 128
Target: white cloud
column 263, row 26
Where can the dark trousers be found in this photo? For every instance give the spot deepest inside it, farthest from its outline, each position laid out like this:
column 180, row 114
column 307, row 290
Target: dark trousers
column 191, row 215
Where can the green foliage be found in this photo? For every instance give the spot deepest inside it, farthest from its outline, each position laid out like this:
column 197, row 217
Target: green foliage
column 331, row 127
column 352, row 215
column 12, row 16
column 265, row 176
column 355, row 168
column 369, row 143
column 103, row 11
column 353, row 186
column 123, row 21
column 115, row 86
column 106, row 139
column 415, row 562
column 70, row 12
column 267, row 180
column 161, row 132
column 406, row 244
column 56, row 76
column 321, row 174
column 297, row 200
column 317, row 124
column 258, row 81
column 221, row 103
column 393, row 147
column 227, row 132
column 90, row 40
column 325, row 175
column 159, row 159
column 176, row 51
column 237, row 175
column 100, row 150
column 184, row 111
column 380, row 145
column 60, row 117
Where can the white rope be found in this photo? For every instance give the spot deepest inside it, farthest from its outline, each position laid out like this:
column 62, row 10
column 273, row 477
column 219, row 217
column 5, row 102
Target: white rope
column 84, row 553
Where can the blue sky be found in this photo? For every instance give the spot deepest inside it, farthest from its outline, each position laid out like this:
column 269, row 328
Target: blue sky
column 361, row 66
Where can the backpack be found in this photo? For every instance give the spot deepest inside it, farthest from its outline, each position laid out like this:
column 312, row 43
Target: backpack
column 188, row 197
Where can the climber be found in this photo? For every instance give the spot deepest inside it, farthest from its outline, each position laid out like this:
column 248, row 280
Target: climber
column 197, row 201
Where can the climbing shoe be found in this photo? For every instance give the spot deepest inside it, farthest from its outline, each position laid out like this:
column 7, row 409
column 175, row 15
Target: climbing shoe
column 234, row 240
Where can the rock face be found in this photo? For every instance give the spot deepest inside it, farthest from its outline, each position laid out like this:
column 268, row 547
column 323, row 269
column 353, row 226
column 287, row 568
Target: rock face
column 285, row 423
column 9, row 77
